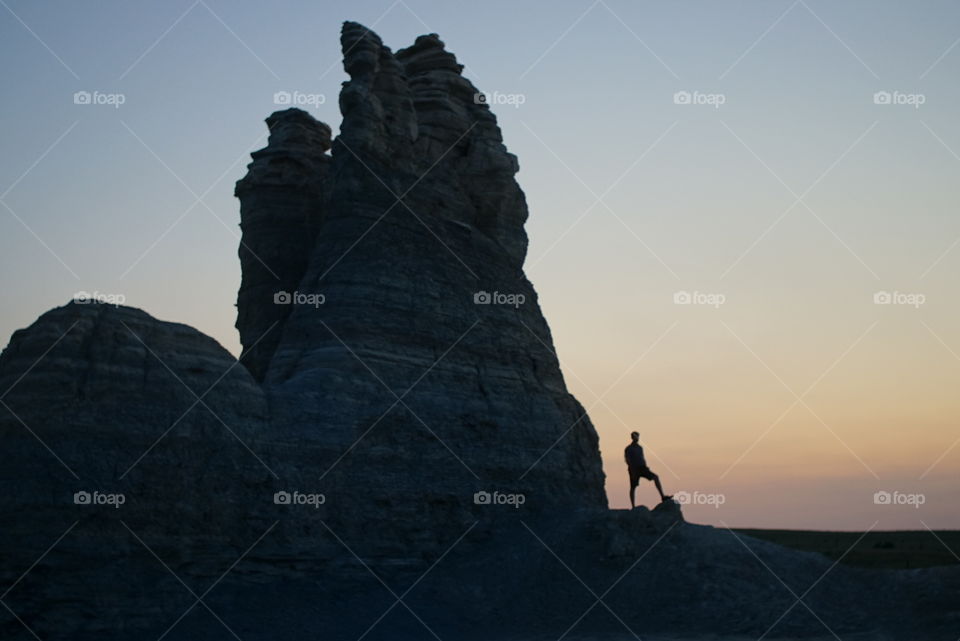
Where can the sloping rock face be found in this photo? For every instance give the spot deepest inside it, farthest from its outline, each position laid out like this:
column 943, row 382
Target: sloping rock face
column 395, row 456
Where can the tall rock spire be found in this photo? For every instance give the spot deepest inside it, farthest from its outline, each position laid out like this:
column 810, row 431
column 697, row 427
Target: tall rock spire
column 416, row 346
column 281, row 210
column 418, row 260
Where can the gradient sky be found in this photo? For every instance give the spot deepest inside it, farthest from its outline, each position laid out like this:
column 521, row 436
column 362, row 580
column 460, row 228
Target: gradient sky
column 797, row 200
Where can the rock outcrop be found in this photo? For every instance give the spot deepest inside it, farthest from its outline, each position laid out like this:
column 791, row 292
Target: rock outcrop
column 395, row 455
column 114, row 420
column 281, row 210
column 411, row 338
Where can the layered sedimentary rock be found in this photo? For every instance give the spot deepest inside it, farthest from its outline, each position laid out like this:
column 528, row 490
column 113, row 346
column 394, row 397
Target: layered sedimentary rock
column 418, row 264
column 281, row 210
column 395, row 456
column 116, row 426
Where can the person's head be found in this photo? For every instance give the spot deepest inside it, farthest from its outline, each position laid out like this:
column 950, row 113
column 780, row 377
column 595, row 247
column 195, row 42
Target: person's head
column 634, row 436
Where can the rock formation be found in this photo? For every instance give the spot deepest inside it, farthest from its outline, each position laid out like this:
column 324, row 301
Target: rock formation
column 281, row 210
column 395, row 455
column 421, row 221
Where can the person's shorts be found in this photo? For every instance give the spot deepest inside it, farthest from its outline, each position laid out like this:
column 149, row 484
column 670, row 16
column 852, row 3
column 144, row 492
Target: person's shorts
column 637, row 473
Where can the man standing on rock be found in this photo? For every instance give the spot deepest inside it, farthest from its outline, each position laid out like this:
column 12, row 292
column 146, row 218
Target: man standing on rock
column 637, row 466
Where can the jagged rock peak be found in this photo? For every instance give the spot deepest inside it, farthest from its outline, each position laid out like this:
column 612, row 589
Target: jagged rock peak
column 295, row 152
column 361, row 48
column 412, row 125
column 412, row 115
column 295, row 127
column 428, row 53
column 378, row 115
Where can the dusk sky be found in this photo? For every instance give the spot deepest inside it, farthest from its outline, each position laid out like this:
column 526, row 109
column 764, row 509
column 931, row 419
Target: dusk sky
column 743, row 215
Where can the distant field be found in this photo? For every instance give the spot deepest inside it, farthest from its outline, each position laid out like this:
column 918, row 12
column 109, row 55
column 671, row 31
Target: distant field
column 907, row 549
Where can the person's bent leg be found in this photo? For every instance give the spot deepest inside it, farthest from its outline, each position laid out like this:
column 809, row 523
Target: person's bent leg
column 656, row 481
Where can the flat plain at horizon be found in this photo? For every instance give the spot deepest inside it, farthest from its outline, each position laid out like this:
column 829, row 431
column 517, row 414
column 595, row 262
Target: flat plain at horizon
column 893, row 549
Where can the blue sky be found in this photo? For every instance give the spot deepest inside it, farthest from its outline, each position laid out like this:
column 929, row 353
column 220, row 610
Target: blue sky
column 797, row 199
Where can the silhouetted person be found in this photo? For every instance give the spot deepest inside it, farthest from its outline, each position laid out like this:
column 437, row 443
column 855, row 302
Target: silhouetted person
column 637, row 466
